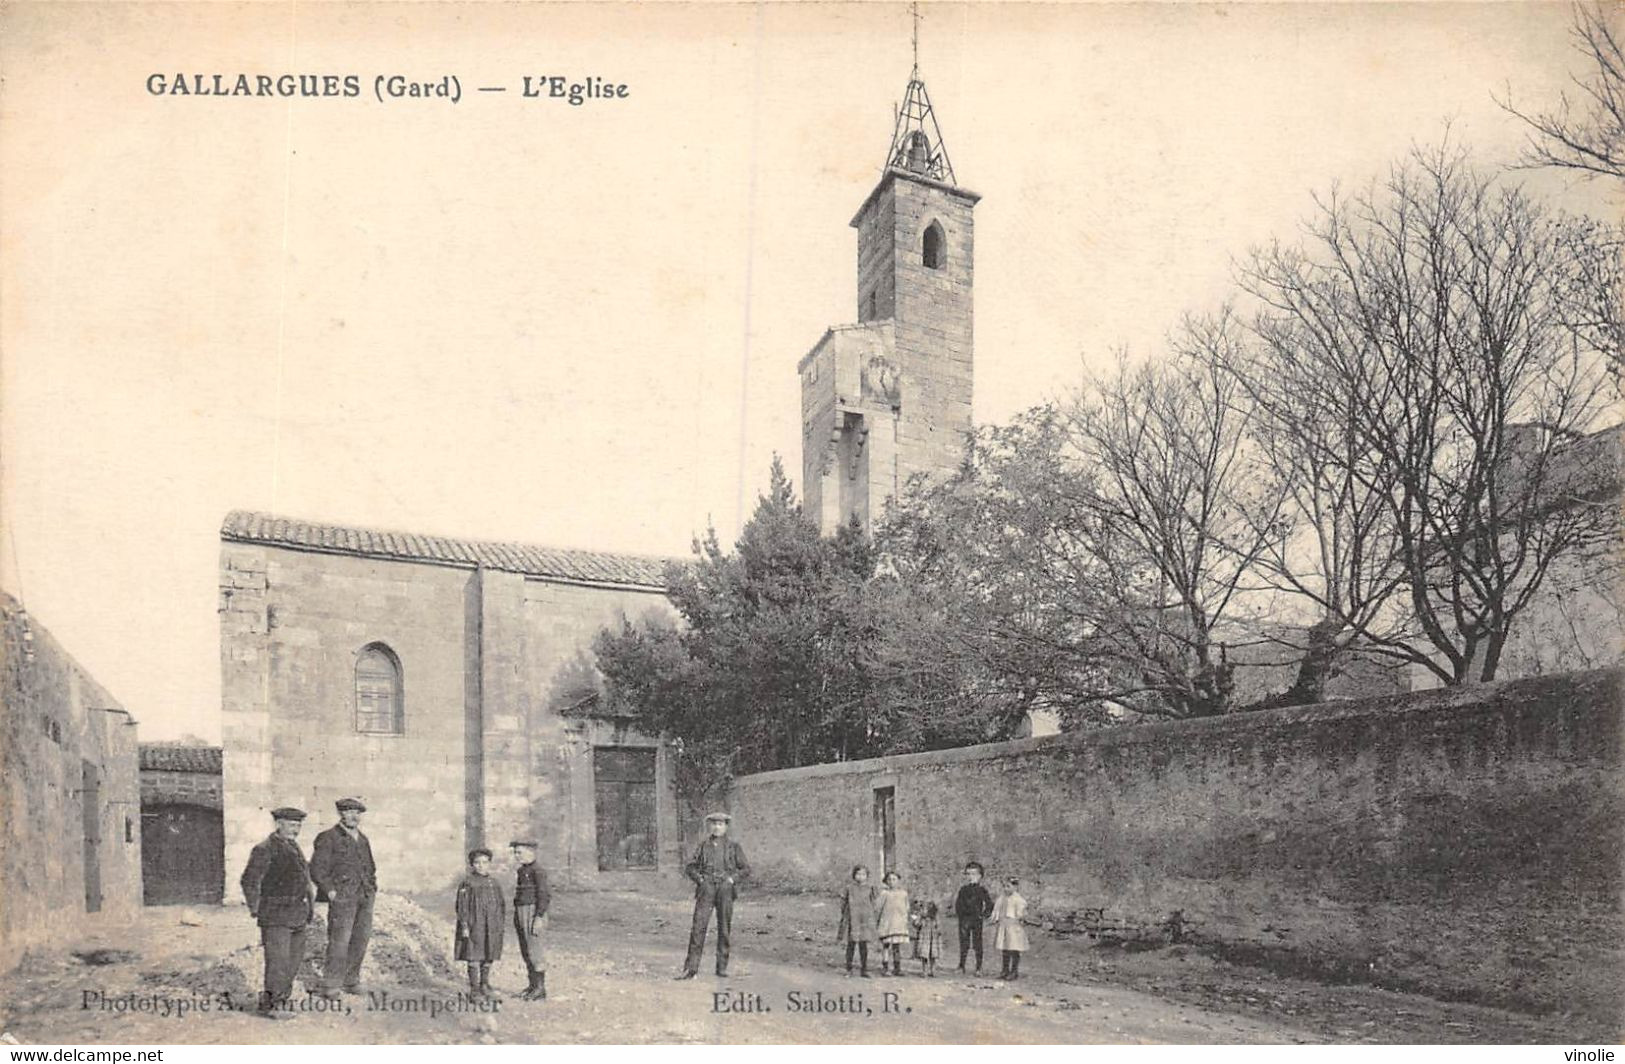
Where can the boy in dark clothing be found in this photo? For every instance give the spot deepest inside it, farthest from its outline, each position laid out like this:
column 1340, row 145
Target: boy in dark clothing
column 530, row 902
column 972, row 906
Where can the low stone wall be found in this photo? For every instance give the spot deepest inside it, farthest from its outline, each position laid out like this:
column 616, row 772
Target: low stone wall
column 1465, row 844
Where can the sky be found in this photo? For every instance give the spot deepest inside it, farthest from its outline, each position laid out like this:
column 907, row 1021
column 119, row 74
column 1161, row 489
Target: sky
column 512, row 318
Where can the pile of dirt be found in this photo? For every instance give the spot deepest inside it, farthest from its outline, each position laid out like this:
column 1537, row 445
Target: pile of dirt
column 237, row 974
column 423, row 943
column 409, row 948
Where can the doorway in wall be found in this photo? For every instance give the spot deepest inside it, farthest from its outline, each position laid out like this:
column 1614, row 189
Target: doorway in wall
column 624, row 793
column 886, row 827
column 90, row 796
column 183, row 855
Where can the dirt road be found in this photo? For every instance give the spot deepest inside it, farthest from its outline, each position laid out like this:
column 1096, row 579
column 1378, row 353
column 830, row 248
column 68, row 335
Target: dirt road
column 611, row 959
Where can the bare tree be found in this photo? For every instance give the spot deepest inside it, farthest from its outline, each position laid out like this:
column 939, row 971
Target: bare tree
column 1175, row 516
column 1093, row 553
column 1586, row 132
column 1334, row 546
column 1591, row 295
column 1417, row 364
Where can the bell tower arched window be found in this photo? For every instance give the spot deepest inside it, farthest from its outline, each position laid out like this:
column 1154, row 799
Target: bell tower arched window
column 379, row 705
column 931, row 249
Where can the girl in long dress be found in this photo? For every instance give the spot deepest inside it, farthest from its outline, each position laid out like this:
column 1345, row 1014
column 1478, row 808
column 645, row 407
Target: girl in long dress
column 857, row 928
column 927, row 938
column 1010, row 935
column 481, row 914
column 891, row 924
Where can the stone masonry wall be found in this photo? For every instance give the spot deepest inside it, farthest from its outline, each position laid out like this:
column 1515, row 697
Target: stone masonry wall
column 54, row 717
column 201, row 789
column 877, row 266
column 292, row 626
column 559, row 623
column 1465, row 843
column 1577, row 620
column 848, row 428
column 484, row 756
column 934, row 329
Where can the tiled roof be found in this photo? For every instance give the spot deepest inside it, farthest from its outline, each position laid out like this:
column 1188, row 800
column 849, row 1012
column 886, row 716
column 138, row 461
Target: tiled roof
column 579, row 566
column 1584, row 470
column 164, row 758
column 1590, row 466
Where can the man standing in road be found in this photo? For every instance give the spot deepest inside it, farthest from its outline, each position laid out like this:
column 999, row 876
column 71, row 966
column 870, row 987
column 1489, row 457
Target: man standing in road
column 347, row 880
column 717, row 867
column 276, row 885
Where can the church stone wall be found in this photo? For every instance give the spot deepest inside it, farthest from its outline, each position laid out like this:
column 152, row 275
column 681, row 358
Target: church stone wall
column 559, row 623
column 1577, row 619
column 1462, row 843
column 485, row 754
column 877, row 254
column 293, row 625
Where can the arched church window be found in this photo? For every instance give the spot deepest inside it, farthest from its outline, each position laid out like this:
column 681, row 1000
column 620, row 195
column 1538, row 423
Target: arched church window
column 378, row 701
column 931, row 250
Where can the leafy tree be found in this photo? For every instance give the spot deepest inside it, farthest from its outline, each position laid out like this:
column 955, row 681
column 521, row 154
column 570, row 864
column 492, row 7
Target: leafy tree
column 790, row 652
column 999, row 547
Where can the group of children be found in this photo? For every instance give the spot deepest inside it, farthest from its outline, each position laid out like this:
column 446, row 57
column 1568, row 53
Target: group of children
column 884, row 914
column 482, row 915
column 869, row 914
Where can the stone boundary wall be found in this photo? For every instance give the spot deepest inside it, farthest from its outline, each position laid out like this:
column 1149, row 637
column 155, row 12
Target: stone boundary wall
column 1465, row 844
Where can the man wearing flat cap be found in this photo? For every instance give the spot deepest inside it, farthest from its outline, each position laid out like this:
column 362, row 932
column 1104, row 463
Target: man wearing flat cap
column 342, row 866
column 717, row 867
column 276, row 885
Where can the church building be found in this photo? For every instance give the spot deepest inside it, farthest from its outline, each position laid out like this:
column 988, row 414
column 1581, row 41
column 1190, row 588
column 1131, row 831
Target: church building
column 439, row 680
column 889, row 396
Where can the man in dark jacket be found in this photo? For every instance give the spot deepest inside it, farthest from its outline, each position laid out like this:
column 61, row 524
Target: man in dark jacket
column 341, row 865
column 276, row 885
column 717, row 867
column 972, row 906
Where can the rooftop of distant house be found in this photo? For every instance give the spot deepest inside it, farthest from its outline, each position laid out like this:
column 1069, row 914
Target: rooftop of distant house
column 1585, row 468
column 171, row 757
column 644, row 572
column 1591, row 464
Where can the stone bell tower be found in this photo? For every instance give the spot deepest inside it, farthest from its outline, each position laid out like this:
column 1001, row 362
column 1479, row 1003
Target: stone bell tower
column 890, row 396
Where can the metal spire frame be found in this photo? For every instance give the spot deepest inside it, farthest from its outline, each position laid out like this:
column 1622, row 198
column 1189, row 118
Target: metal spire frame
column 916, row 142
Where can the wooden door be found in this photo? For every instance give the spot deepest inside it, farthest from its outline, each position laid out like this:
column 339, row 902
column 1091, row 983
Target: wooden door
column 886, row 827
column 90, row 797
column 183, row 855
column 624, row 792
